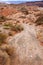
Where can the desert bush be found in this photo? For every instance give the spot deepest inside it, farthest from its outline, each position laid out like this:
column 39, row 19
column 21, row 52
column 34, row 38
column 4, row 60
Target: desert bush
column 17, row 28
column 39, row 21
column 7, row 25
column 23, row 17
column 2, row 18
column 2, row 38
column 10, row 33
column 4, row 58
column 24, row 10
column 12, row 27
column 2, row 8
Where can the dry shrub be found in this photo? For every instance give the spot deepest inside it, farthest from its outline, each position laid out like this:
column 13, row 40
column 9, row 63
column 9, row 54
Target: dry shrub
column 39, row 21
column 2, row 38
column 17, row 28
column 7, row 25
column 2, row 18
column 24, row 10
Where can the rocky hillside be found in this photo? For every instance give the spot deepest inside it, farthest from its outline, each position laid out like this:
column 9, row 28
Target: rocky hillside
column 21, row 35
column 37, row 3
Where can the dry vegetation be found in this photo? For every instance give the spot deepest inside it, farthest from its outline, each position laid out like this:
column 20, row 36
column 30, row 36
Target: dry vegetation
column 2, row 38
column 2, row 18
column 39, row 21
column 21, row 27
column 24, row 10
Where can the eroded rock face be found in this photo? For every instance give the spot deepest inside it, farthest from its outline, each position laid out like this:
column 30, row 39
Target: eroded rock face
column 27, row 47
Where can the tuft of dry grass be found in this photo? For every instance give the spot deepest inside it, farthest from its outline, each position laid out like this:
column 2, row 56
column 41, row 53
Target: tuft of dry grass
column 7, row 25
column 17, row 28
column 2, row 38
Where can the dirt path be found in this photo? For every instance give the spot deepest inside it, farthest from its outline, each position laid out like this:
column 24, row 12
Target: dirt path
column 27, row 47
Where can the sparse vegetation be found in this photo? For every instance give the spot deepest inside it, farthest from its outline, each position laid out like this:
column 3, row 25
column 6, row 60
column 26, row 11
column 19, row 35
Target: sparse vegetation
column 12, row 27
column 24, row 10
column 7, row 25
column 17, row 28
column 21, row 40
column 39, row 21
column 2, row 18
column 10, row 33
column 23, row 17
column 2, row 38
